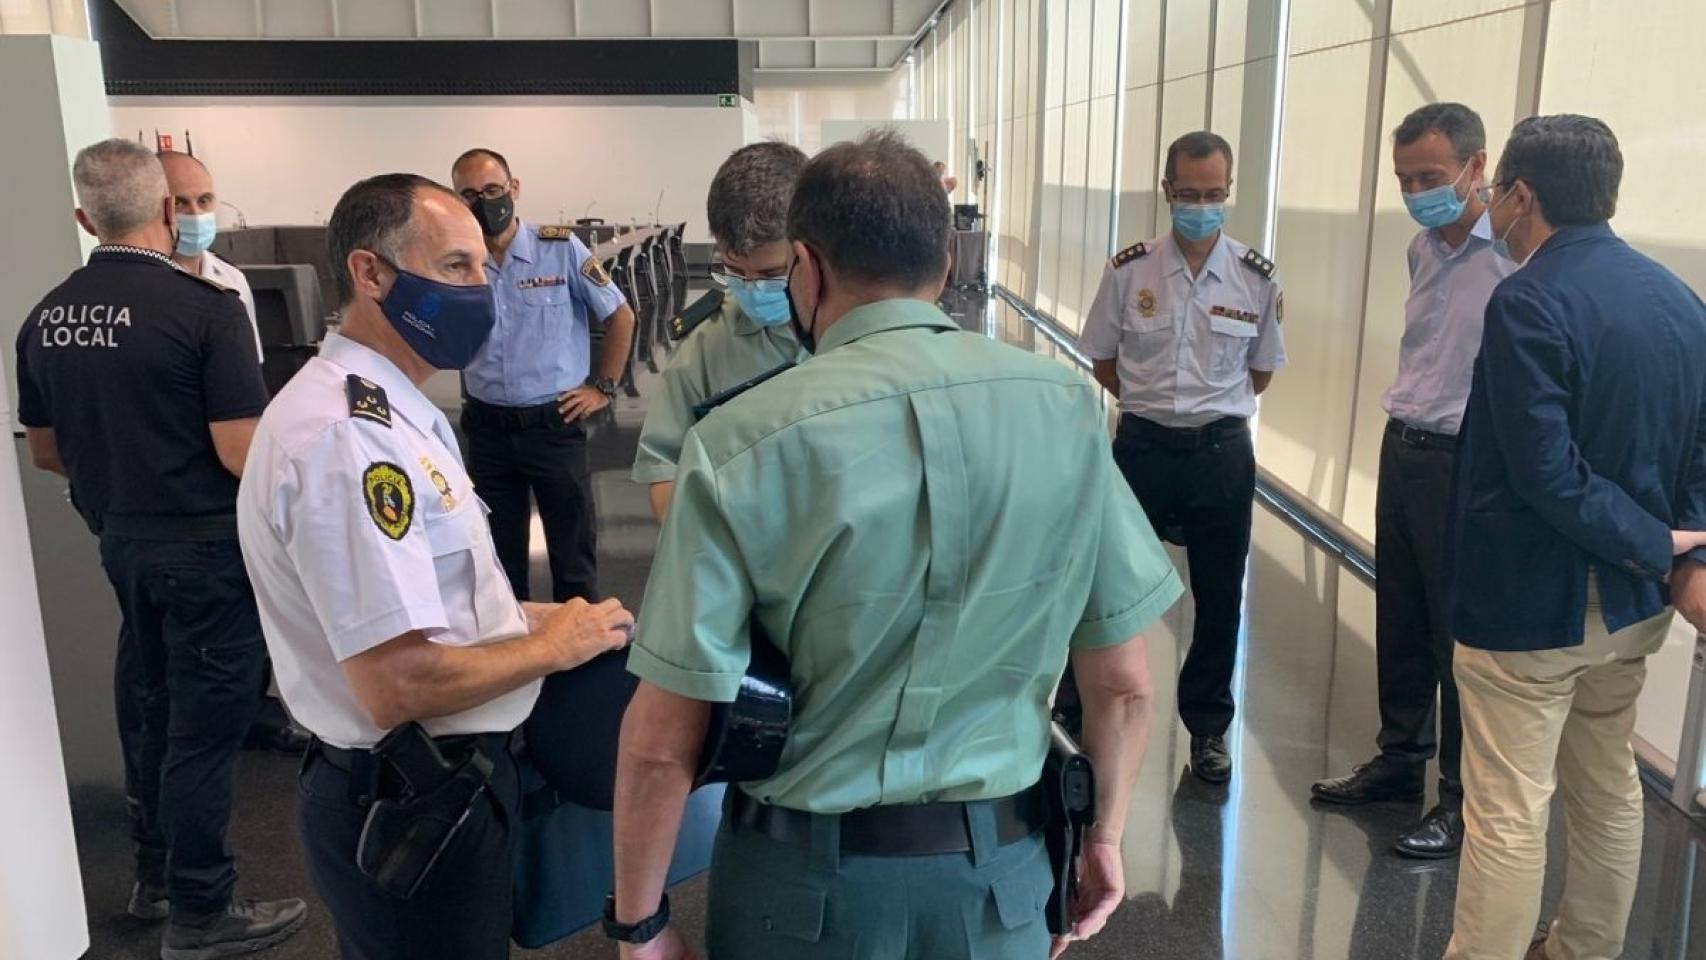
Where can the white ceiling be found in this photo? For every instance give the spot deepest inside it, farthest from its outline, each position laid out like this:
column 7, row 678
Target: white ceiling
column 792, row 35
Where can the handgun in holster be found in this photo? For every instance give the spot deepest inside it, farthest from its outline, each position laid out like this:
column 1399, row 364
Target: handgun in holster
column 1069, row 782
column 420, row 804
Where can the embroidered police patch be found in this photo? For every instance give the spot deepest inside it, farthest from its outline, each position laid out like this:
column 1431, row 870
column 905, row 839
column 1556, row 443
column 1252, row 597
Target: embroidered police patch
column 593, row 269
column 390, row 498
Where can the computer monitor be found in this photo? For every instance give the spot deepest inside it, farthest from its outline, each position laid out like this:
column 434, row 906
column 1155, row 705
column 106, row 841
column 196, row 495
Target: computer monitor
column 288, row 307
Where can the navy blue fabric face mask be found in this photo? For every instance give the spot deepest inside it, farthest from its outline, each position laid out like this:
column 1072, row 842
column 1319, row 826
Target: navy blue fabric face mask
column 444, row 323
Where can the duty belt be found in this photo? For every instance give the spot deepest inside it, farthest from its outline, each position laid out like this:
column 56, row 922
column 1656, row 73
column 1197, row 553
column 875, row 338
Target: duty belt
column 1183, row 438
column 366, row 777
column 899, row 830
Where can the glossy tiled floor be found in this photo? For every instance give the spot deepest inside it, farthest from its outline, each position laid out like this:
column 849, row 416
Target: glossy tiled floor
column 1251, row 871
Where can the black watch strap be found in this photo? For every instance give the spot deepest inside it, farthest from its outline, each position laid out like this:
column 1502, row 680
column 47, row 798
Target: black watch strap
column 603, row 385
column 643, row 932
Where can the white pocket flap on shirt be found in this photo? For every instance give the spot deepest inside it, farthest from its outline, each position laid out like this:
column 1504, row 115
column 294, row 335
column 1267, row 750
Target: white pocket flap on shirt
column 1227, row 326
column 461, row 529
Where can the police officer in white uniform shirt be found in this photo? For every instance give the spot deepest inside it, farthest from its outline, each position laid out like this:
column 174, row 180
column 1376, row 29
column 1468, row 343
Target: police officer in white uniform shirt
column 384, row 606
column 198, row 205
column 1185, row 331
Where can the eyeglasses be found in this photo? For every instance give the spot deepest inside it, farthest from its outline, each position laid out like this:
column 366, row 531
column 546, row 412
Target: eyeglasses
column 490, row 191
column 723, row 278
column 1484, row 193
column 1200, row 196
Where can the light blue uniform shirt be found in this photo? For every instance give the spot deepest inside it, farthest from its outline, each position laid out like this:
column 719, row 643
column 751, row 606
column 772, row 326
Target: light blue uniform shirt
column 1186, row 345
column 1449, row 290
column 541, row 345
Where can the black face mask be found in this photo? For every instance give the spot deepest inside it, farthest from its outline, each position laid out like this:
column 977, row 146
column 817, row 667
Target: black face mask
column 802, row 330
column 494, row 216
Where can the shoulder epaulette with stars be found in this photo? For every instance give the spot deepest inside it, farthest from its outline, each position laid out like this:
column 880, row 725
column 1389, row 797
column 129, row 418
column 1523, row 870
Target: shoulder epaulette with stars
column 1129, row 254
column 1258, row 263
column 704, row 407
column 696, row 313
column 557, row 232
column 367, row 400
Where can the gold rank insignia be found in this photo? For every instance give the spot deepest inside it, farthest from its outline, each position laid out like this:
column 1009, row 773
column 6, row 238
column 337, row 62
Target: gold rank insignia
column 439, row 483
column 556, row 232
column 367, row 400
column 390, row 498
column 593, row 269
column 1146, row 302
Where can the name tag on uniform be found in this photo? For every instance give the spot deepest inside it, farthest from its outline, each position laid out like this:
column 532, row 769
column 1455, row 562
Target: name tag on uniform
column 1243, row 316
column 531, row 283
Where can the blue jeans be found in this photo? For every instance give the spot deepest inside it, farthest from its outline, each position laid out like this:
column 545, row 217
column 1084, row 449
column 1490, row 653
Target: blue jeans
column 187, row 681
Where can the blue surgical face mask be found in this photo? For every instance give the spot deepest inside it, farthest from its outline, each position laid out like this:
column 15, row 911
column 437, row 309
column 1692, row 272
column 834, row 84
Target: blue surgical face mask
column 765, row 300
column 1438, row 207
column 195, row 233
column 444, row 323
column 1197, row 221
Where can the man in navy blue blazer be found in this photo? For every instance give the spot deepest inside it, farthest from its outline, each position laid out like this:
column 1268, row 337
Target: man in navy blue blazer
column 1581, row 472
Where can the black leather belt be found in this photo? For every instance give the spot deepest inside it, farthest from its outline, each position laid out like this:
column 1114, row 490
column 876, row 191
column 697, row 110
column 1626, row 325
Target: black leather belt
column 1417, row 437
column 901, row 830
column 1183, row 438
column 495, row 417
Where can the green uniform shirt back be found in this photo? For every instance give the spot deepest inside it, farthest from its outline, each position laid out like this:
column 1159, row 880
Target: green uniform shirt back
column 723, row 352
column 922, row 520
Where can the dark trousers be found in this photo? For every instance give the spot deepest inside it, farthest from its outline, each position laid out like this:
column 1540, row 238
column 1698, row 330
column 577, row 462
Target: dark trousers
column 462, row 911
column 1412, row 635
column 186, row 682
column 518, row 456
column 1198, row 488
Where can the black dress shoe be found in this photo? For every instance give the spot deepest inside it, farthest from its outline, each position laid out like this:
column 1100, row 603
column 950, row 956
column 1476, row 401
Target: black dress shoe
column 1438, row 837
column 1209, row 759
column 1370, row 783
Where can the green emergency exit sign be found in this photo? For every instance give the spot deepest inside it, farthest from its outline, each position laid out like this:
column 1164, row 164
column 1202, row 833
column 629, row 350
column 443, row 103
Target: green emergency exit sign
column 728, row 99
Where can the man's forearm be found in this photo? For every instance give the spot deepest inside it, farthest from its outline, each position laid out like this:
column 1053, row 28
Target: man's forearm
column 618, row 338
column 659, row 493
column 1116, row 736
column 412, row 678
column 661, row 737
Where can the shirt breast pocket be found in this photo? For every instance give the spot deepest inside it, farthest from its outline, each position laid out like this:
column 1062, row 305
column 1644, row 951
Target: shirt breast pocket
column 469, row 579
column 1232, row 343
column 1146, row 337
column 546, row 297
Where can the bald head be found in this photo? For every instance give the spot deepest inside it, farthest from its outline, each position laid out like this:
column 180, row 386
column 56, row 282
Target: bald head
column 190, row 183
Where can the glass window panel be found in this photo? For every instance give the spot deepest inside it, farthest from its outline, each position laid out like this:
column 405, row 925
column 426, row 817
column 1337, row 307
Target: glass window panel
column 1105, row 72
column 1143, row 42
column 1187, row 39
column 1319, row 24
column 1054, row 55
column 1073, row 215
column 1099, row 188
column 1320, row 249
column 1048, row 205
column 1418, row 14
column 1184, row 108
column 1245, row 30
column 1139, row 175
column 1080, row 27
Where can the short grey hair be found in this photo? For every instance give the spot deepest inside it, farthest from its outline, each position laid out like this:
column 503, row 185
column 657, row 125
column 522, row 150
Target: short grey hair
column 121, row 186
column 748, row 202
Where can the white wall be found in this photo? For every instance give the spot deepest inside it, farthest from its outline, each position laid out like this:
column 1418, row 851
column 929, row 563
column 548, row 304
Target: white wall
column 286, row 160
column 793, row 107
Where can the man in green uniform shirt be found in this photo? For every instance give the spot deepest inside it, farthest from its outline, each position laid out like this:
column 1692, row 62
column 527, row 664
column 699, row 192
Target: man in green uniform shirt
column 927, row 524
column 747, row 208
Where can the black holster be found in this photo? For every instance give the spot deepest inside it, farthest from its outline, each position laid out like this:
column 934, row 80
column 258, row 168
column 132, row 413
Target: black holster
column 1069, row 783
column 420, row 803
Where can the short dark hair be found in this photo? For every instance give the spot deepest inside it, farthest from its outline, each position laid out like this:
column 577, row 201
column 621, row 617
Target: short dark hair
column 748, row 202
column 1571, row 162
column 373, row 215
column 1196, row 146
column 875, row 210
column 483, row 152
column 1453, row 121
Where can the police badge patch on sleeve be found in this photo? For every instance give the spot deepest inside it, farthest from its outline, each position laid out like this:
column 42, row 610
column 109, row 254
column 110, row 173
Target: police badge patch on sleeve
column 593, row 269
column 390, row 498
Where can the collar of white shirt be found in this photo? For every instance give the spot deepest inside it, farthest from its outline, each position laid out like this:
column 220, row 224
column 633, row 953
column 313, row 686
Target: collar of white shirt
column 405, row 398
column 1482, row 230
column 1175, row 258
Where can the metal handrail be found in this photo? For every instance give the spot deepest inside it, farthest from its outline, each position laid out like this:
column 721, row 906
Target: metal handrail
column 1319, row 527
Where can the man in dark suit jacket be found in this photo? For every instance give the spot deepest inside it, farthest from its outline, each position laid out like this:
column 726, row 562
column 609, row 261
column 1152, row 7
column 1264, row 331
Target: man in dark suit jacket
column 1583, row 453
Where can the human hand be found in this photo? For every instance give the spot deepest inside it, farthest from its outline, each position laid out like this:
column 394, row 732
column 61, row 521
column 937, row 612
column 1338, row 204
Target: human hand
column 580, row 403
column 668, row 945
column 578, row 631
column 1101, row 889
column 1682, row 541
column 537, row 613
column 1688, row 592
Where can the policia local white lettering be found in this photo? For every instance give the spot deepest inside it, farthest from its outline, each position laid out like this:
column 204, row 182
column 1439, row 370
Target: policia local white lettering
column 82, row 325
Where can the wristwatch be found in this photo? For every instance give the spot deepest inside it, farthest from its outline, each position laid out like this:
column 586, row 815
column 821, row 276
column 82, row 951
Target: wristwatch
column 603, row 385
column 643, row 932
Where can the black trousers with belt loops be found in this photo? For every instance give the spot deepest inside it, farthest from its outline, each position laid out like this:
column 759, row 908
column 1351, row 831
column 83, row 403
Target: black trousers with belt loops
column 1198, row 487
column 521, row 455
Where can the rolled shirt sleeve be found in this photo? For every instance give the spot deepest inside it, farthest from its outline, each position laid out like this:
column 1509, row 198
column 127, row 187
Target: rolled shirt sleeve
column 604, row 298
column 692, row 638
column 1133, row 582
column 1101, row 337
column 366, row 586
